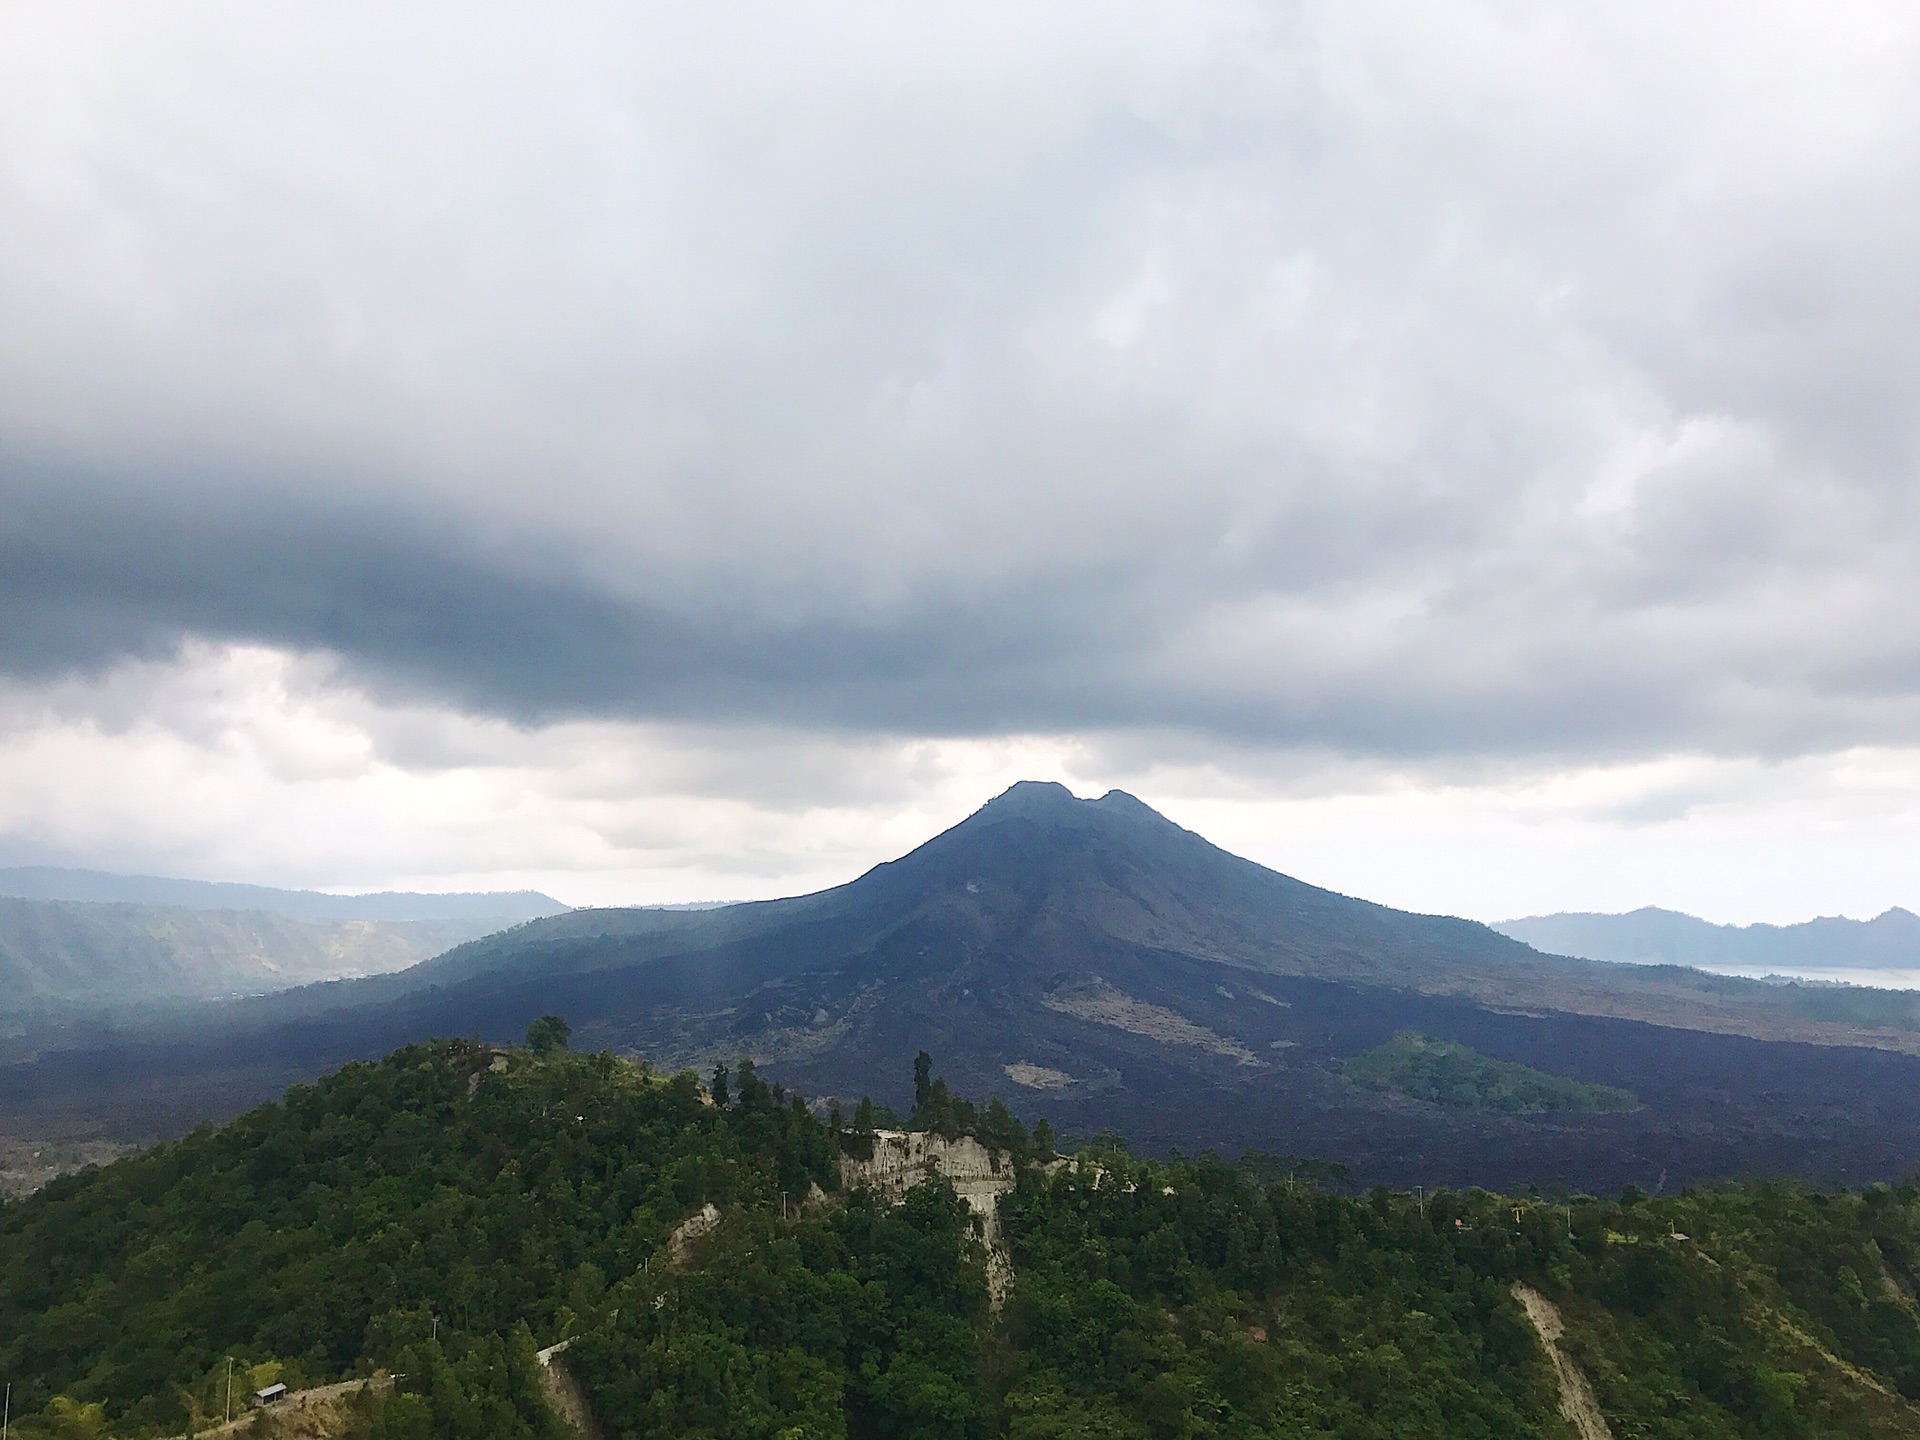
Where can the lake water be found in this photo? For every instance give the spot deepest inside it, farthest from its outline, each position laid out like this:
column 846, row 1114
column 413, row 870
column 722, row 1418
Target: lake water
column 1878, row 979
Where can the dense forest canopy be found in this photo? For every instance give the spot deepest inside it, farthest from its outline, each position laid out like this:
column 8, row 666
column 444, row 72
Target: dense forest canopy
column 443, row 1213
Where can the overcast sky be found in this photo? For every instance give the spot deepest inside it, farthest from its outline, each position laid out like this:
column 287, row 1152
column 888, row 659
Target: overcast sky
column 1461, row 454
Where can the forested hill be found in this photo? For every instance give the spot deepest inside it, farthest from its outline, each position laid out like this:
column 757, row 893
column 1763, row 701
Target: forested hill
column 445, row 1211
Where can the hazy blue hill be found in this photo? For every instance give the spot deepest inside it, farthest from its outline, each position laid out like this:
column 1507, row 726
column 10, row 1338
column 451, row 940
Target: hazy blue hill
column 41, row 882
column 87, row 938
column 57, row 954
column 1890, row 941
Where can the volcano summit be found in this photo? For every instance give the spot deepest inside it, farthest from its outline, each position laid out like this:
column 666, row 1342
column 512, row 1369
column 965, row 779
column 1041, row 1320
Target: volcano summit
column 1092, row 961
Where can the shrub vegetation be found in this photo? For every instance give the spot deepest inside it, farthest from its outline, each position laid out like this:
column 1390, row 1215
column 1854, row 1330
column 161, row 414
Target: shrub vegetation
column 1445, row 1072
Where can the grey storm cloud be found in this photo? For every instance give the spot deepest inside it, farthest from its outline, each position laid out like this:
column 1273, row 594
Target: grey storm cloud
column 1446, row 379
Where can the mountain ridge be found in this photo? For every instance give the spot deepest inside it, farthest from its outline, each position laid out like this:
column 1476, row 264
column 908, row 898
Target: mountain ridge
column 1890, row 940
column 1048, row 821
column 50, row 882
column 63, row 955
column 1094, row 957
column 1158, row 885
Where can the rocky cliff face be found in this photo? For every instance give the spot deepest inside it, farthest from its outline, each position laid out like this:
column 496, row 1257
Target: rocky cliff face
column 902, row 1159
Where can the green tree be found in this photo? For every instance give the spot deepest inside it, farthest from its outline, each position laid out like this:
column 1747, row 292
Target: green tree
column 548, row 1034
column 71, row 1419
column 440, row 1219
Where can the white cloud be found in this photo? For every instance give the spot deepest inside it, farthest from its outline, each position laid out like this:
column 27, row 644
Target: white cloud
column 245, row 763
column 1450, row 389
column 1732, row 841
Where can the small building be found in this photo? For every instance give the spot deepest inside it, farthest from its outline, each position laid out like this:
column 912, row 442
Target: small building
column 269, row 1395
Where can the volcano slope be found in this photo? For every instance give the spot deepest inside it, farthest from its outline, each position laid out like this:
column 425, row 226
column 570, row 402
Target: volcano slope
column 1094, row 962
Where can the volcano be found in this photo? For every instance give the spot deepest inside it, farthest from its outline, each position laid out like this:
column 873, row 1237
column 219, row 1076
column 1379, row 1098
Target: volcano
column 1094, row 962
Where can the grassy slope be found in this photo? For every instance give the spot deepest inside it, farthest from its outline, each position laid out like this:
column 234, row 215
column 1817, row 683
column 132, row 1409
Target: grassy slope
column 1444, row 1072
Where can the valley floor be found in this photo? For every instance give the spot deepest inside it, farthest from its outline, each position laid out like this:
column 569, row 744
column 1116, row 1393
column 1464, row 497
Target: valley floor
column 27, row 1163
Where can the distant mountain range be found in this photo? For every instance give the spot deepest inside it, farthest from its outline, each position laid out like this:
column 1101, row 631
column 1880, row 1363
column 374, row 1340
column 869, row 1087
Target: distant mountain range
column 43, row 882
column 84, row 939
column 59, row 955
column 1651, row 936
column 1094, row 962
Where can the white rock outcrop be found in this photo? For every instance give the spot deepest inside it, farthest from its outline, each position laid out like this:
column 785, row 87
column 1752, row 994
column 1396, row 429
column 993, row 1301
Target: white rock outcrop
column 903, row 1159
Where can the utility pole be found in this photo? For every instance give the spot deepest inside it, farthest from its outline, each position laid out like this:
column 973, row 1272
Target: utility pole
column 6, row 1411
column 229, row 1389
